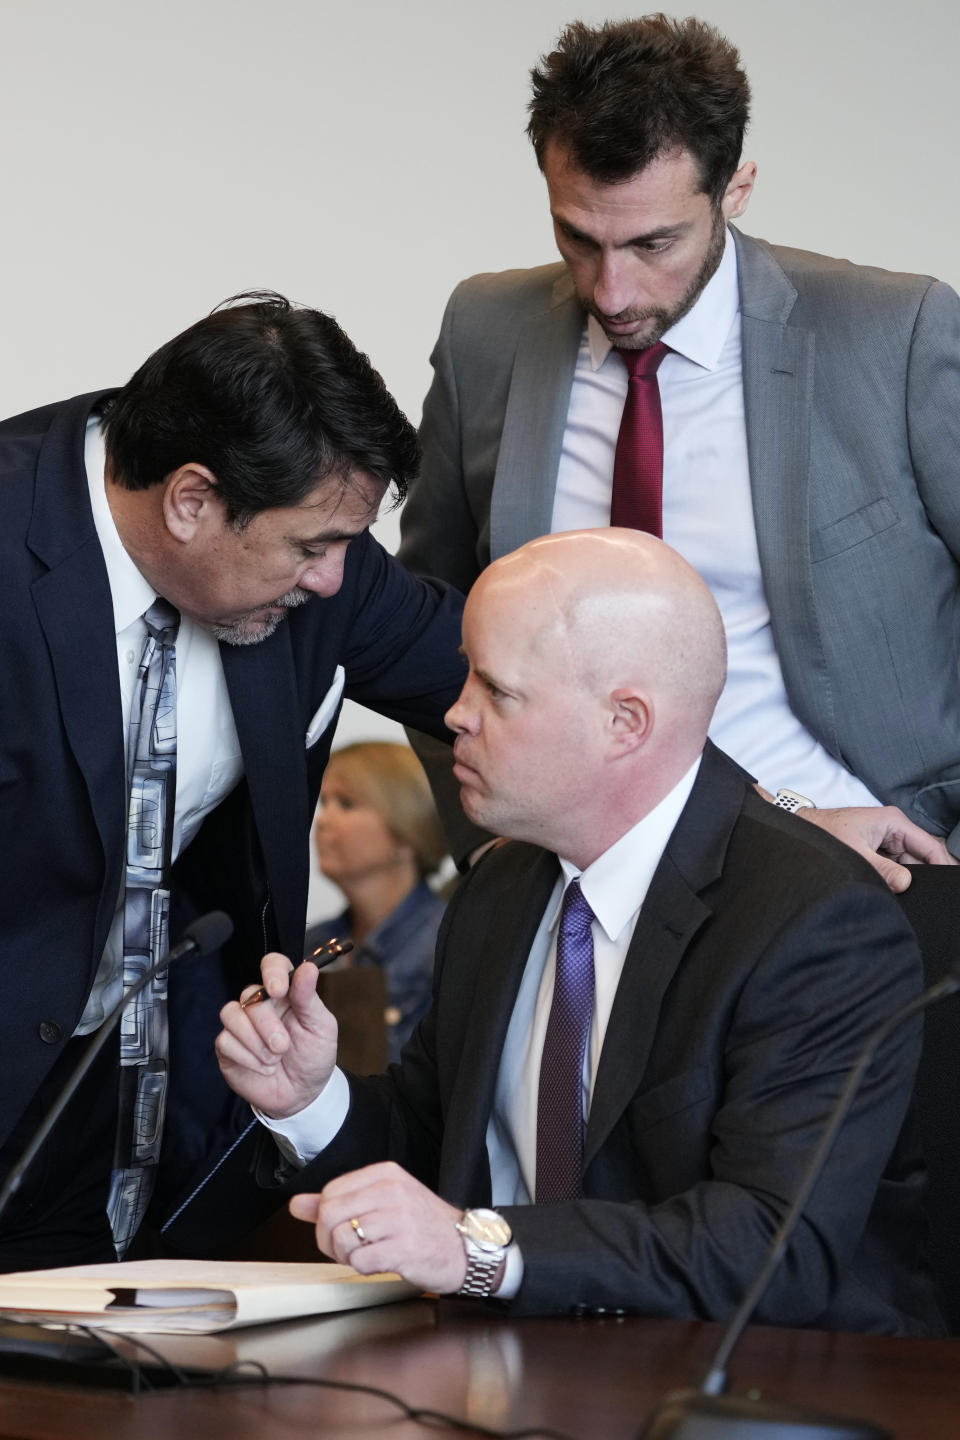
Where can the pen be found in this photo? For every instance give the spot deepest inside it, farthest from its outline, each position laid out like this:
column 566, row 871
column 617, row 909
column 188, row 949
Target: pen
column 323, row 955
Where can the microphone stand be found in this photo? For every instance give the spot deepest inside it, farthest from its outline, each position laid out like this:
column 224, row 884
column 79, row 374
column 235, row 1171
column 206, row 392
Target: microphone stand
column 205, row 934
column 708, row 1413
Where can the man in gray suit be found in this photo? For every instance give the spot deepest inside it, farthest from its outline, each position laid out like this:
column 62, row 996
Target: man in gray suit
column 811, row 429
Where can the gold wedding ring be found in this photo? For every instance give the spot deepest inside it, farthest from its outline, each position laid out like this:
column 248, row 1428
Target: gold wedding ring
column 358, row 1230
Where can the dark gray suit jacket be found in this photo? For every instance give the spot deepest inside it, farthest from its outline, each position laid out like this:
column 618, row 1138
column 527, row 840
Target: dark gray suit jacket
column 852, row 394
column 764, row 954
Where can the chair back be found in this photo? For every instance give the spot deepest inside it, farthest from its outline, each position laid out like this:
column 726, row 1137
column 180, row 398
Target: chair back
column 932, row 905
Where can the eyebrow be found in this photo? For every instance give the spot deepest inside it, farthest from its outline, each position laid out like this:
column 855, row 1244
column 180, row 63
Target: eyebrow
column 327, row 537
column 660, row 232
column 492, row 680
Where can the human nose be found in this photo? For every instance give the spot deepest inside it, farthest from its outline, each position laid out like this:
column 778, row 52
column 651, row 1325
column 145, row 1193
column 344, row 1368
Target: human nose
column 615, row 287
column 324, row 574
column 459, row 718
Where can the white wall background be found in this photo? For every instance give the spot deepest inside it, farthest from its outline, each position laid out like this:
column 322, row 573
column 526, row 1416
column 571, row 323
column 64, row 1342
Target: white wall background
column 362, row 157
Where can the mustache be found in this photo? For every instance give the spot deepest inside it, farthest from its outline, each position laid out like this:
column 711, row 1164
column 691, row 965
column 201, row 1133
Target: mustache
column 292, row 599
column 628, row 316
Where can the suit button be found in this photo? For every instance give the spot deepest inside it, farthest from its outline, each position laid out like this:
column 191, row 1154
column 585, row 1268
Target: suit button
column 50, row 1032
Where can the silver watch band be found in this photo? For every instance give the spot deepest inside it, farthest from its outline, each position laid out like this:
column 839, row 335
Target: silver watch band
column 481, row 1275
column 792, row 800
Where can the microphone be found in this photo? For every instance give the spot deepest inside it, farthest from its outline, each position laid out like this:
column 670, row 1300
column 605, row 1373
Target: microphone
column 206, row 933
column 709, row 1414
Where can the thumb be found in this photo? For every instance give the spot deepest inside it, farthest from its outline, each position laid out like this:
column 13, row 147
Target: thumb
column 305, row 1207
column 897, row 877
column 304, row 1000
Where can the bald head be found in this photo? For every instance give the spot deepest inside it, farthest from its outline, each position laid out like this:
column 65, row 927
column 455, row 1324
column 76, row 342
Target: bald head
column 605, row 634
column 620, row 608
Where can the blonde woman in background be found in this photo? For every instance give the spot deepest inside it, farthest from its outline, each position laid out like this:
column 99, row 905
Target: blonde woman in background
column 378, row 838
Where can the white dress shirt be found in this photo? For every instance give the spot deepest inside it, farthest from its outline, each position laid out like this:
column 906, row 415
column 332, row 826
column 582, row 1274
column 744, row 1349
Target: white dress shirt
column 208, row 752
column 615, row 886
column 708, row 517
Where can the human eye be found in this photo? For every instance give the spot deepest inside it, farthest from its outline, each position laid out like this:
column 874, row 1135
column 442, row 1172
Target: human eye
column 336, row 802
column 656, row 246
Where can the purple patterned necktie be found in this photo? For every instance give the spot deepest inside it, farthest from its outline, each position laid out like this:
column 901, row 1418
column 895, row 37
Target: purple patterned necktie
column 560, row 1099
column 152, row 771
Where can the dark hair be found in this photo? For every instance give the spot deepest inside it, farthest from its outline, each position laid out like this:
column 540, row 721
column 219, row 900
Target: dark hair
column 273, row 398
column 620, row 95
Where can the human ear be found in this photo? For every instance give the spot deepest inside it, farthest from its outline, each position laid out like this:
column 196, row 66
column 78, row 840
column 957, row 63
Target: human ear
column 189, row 496
column 631, row 718
column 736, row 197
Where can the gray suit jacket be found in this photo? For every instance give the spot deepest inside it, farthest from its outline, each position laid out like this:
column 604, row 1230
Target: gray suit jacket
column 852, row 394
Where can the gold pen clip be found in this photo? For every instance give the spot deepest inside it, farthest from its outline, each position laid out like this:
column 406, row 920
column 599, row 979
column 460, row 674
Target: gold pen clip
column 324, row 955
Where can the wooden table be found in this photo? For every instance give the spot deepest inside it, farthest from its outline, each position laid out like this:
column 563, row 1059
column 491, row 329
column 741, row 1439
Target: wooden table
column 590, row 1379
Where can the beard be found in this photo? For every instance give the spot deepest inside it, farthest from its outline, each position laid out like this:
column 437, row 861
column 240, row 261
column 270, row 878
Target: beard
column 257, row 625
column 660, row 320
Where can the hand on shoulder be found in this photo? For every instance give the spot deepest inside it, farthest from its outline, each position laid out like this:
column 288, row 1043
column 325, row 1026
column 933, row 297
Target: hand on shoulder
column 884, row 836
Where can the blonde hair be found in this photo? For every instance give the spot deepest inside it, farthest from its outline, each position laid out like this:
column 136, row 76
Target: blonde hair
column 390, row 779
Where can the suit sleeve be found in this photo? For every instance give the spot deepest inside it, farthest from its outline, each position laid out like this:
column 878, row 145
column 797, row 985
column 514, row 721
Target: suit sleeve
column 441, row 536
column 402, row 653
column 933, row 432
column 439, row 527
column 815, row 994
column 933, row 409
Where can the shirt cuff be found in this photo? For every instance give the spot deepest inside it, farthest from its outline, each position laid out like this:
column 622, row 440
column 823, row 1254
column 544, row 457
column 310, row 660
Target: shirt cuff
column 512, row 1274
column 301, row 1137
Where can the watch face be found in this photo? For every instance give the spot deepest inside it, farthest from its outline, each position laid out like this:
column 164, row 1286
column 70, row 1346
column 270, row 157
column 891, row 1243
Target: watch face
column 486, row 1228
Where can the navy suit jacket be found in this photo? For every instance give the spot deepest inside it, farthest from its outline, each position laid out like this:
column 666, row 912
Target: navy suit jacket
column 62, row 784
column 764, row 955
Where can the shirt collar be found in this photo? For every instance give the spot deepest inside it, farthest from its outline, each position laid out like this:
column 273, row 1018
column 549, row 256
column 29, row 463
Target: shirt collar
column 616, row 884
column 702, row 333
column 131, row 593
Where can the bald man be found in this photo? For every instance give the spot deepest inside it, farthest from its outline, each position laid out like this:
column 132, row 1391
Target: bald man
column 610, row 1108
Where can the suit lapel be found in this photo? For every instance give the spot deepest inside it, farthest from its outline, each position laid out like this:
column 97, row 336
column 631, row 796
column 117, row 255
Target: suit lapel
column 261, row 681
column 778, row 376
column 672, row 914
column 521, row 505
column 75, row 612
column 499, row 953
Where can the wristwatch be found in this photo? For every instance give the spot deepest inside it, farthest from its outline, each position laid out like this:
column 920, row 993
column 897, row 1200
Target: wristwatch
column 792, row 800
column 486, row 1236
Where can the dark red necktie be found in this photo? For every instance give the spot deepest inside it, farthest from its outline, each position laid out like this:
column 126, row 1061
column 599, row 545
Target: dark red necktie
column 637, row 500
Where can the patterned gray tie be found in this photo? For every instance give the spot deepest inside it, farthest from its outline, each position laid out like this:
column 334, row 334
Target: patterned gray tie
column 560, row 1096
column 152, row 766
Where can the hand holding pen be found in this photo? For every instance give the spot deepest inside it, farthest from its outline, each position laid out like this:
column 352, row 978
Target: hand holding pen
column 280, row 1056
column 323, row 955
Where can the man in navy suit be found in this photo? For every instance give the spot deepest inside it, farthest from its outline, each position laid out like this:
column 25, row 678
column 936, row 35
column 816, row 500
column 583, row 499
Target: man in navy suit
column 235, row 477
column 735, row 961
